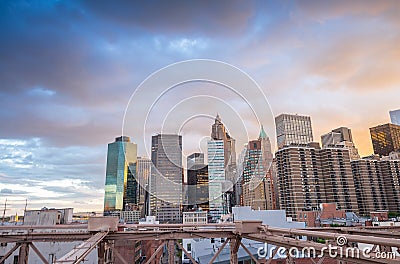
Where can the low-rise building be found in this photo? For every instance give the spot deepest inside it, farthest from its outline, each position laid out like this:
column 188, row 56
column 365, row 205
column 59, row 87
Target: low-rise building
column 48, row 217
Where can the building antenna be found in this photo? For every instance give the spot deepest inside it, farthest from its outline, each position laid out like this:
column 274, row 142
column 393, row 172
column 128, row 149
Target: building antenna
column 26, row 204
column 4, row 212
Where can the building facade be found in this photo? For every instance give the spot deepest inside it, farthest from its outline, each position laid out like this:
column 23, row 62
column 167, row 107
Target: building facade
column 197, row 186
column 216, row 179
column 219, row 132
column 121, row 155
column 143, row 170
column 257, row 178
column 166, row 178
column 385, row 139
column 308, row 176
column 369, row 185
column 293, row 129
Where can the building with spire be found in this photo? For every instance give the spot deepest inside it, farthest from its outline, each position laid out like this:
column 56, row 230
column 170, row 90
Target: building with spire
column 221, row 170
column 257, row 181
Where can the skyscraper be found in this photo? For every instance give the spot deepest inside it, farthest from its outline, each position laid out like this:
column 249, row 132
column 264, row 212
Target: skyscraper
column 341, row 137
column 395, row 117
column 369, row 186
column 293, row 129
column 385, row 139
column 216, row 179
column 219, row 132
column 166, row 178
column 143, row 169
column 197, row 185
column 257, row 181
column 308, row 176
column 121, row 162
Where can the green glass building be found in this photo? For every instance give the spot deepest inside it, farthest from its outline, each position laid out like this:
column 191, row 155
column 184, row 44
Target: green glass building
column 120, row 174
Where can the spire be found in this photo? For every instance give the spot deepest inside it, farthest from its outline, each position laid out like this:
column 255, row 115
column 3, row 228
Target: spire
column 217, row 118
column 262, row 133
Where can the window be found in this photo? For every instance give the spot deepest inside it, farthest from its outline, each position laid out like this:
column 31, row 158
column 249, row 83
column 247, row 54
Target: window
column 189, row 247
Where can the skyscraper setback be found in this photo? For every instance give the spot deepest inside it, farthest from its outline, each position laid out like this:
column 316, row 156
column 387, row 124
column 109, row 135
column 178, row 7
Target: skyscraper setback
column 166, row 178
column 293, row 129
column 341, row 137
column 120, row 174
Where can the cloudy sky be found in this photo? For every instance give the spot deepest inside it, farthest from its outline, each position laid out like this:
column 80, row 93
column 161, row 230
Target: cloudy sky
column 68, row 69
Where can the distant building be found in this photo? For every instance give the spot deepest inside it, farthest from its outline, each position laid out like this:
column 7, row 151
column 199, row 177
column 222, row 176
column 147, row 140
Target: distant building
column 197, row 186
column 293, row 129
column 120, row 174
column 257, row 181
column 216, row 179
column 328, row 215
column 385, row 139
column 369, row 186
column 219, row 132
column 132, row 216
column 48, row 217
column 195, row 159
column 308, row 176
column 195, row 217
column 143, row 170
column 395, row 117
column 166, row 178
column 341, row 137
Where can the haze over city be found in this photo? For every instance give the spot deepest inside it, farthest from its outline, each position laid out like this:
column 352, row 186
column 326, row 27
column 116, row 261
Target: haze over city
column 68, row 69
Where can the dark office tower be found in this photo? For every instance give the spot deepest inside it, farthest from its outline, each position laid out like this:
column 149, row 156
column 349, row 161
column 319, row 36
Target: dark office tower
column 219, row 133
column 341, row 137
column 390, row 170
column 166, row 178
column 195, row 158
column 385, row 139
column 120, row 156
column 293, row 129
column 197, row 185
column 369, row 186
column 131, row 193
column 299, row 177
column 338, row 178
column 395, row 117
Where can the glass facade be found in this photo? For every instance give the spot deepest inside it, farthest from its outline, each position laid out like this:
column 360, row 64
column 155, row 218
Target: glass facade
column 120, row 155
column 385, row 139
column 166, row 178
column 216, row 176
column 395, row 117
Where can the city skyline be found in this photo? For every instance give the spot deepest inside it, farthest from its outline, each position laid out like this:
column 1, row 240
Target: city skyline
column 69, row 68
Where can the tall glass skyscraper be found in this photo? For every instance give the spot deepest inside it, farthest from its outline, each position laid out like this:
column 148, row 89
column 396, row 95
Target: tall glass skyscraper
column 166, row 178
column 216, row 178
column 395, row 117
column 120, row 174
